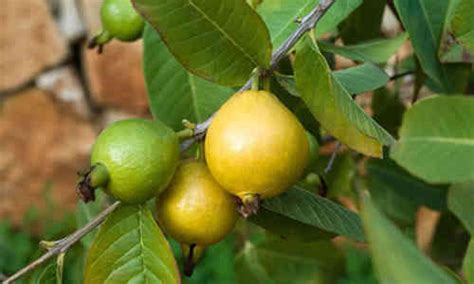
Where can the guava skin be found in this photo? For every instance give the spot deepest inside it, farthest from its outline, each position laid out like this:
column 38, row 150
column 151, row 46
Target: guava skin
column 255, row 146
column 120, row 20
column 195, row 209
column 140, row 156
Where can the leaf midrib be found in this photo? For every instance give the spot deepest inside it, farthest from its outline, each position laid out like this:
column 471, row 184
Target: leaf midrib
column 142, row 245
column 223, row 32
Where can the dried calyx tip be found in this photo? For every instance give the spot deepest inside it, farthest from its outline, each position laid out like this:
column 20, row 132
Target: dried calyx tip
column 248, row 205
column 89, row 180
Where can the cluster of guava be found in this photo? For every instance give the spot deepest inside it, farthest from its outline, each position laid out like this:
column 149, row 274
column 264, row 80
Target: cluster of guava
column 255, row 148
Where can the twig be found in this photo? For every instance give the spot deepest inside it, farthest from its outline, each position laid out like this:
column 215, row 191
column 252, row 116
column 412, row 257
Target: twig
column 307, row 23
column 400, row 75
column 61, row 246
column 332, row 158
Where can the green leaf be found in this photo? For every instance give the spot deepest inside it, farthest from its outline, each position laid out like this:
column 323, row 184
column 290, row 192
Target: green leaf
column 333, row 107
column 449, row 242
column 287, row 228
column 340, row 178
column 278, row 261
column 359, row 79
column 130, row 248
column 375, row 51
column 396, row 259
column 437, row 140
column 460, row 203
column 86, row 212
column 364, row 23
column 424, row 20
column 388, row 109
column 44, row 274
column 221, row 41
column 462, row 24
column 281, row 15
column 339, row 11
column 215, row 266
column 173, row 92
column 468, row 264
column 456, row 53
column 388, row 175
column 311, row 209
column 362, row 78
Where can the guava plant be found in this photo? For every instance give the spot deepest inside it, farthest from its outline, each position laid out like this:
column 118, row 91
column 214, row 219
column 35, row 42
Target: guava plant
column 253, row 117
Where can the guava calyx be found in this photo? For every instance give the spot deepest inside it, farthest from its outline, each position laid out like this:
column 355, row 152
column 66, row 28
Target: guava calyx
column 248, row 205
column 89, row 180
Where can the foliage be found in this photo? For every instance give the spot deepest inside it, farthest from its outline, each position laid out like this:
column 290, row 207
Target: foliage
column 405, row 123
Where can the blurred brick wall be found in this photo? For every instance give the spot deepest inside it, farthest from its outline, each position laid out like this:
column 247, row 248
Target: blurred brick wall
column 55, row 96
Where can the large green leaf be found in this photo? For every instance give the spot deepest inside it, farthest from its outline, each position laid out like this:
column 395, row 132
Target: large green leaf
column 362, row 78
column 332, row 105
column 396, row 259
column 376, row 51
column 468, row 264
column 437, row 140
column 424, row 21
column 173, row 92
column 387, row 174
column 130, row 248
column 462, row 24
column 311, row 209
column 276, row 261
column 460, row 200
column 221, row 41
column 281, row 15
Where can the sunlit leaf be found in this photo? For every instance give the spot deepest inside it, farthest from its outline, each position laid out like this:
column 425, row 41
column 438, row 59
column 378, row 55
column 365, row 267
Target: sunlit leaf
column 174, row 93
column 437, row 140
column 130, row 248
column 333, row 107
column 221, row 41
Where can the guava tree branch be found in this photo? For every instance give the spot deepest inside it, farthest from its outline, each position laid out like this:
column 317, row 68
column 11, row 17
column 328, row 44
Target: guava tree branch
column 62, row 245
column 307, row 23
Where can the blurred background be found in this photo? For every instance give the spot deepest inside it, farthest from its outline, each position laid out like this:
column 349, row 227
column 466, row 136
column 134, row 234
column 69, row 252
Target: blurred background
column 56, row 96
